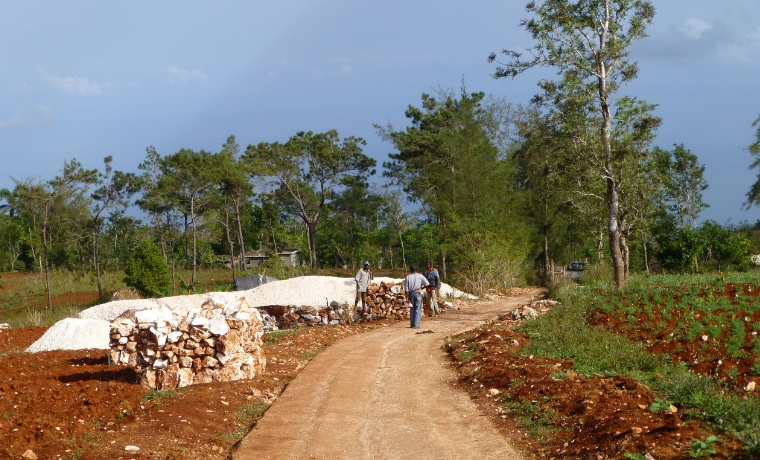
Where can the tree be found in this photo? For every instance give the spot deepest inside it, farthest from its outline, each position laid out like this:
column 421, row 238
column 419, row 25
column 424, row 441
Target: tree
column 113, row 191
column 588, row 41
column 157, row 199
column 683, row 182
column 234, row 184
column 396, row 219
column 448, row 162
column 147, row 272
column 191, row 176
column 753, row 195
column 352, row 218
column 40, row 197
column 307, row 168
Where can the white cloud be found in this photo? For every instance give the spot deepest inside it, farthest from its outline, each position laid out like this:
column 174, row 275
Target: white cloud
column 33, row 117
column 284, row 63
column 694, row 28
column 345, row 69
column 181, row 76
column 72, row 85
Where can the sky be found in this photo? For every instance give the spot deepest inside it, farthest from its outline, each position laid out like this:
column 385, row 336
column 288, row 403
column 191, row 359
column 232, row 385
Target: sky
column 86, row 79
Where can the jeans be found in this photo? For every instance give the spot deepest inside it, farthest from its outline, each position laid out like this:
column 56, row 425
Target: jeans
column 415, row 313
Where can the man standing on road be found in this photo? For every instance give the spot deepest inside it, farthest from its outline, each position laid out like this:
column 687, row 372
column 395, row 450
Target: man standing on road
column 414, row 283
column 434, row 281
column 363, row 278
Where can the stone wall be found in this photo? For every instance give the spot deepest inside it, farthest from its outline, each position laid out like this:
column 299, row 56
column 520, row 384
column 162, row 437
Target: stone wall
column 212, row 343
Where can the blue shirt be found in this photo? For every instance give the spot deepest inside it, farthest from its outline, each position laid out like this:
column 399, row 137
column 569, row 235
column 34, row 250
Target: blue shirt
column 432, row 276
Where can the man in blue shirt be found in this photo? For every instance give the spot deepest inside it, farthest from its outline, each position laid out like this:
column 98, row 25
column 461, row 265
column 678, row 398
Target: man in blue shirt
column 431, row 274
column 414, row 284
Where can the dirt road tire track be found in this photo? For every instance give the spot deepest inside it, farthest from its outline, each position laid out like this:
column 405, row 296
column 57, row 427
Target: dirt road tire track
column 380, row 395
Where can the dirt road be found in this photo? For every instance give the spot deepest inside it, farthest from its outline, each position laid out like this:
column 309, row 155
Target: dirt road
column 380, row 395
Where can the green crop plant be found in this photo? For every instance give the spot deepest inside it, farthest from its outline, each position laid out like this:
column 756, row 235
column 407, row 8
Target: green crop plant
column 660, row 405
column 734, row 346
column 703, row 448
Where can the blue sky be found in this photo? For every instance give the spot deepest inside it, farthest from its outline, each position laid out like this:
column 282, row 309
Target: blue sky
column 86, row 79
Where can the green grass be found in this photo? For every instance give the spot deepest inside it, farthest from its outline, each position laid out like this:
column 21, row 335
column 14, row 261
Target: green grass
column 273, row 338
column 245, row 415
column 310, row 354
column 158, row 394
column 539, row 422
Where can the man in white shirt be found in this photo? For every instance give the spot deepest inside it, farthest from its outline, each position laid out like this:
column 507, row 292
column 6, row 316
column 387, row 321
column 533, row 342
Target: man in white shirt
column 363, row 278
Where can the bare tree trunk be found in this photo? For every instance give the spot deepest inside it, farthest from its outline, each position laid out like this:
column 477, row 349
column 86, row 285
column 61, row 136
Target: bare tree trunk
column 626, row 254
column 45, row 250
column 600, row 248
column 174, row 260
column 274, row 240
column 187, row 244
column 97, row 259
column 195, row 243
column 229, row 242
column 646, row 256
column 241, row 241
column 311, row 228
column 403, row 251
column 548, row 270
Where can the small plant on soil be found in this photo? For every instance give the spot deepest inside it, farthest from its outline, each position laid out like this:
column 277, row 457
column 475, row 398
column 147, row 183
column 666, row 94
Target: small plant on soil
column 539, row 422
column 661, row 405
column 703, row 448
column 470, row 351
column 634, row 456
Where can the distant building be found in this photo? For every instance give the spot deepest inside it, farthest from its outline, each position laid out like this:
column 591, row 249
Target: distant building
column 255, row 259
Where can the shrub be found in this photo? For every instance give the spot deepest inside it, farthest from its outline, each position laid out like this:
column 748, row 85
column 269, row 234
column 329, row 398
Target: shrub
column 485, row 260
column 147, row 271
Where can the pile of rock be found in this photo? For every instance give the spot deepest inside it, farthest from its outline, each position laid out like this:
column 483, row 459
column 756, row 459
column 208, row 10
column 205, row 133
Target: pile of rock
column 533, row 310
column 212, row 343
column 385, row 301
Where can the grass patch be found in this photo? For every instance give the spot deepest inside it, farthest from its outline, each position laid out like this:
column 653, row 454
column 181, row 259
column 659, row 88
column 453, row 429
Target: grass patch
column 246, row 415
column 273, row 338
column 157, row 395
column 539, row 422
column 310, row 354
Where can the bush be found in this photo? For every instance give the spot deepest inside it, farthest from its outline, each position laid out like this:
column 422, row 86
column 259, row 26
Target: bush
column 484, row 261
column 147, row 271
